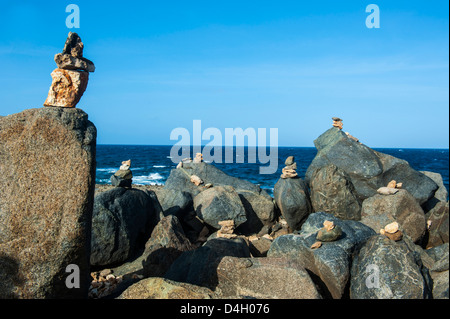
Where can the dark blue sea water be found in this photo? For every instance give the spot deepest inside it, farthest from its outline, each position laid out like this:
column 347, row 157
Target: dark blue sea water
column 151, row 165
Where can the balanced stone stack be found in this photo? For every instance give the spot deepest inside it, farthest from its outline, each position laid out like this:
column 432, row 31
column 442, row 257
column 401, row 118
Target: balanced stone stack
column 289, row 171
column 71, row 77
column 123, row 177
column 337, row 122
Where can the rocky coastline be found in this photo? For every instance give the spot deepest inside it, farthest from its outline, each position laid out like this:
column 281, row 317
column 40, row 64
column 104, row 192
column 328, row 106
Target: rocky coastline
column 360, row 225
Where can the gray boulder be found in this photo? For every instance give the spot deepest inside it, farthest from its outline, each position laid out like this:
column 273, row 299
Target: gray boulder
column 292, row 198
column 282, row 278
column 441, row 194
column 219, row 203
column 199, row 266
column 438, row 229
column 331, row 262
column 175, row 201
column 380, row 210
column 166, row 243
column 257, row 202
column 122, row 222
column 367, row 169
column 333, row 192
column 385, row 269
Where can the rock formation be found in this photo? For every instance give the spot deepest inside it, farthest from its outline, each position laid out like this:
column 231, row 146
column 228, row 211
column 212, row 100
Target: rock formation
column 71, row 77
column 123, row 177
column 365, row 169
column 337, row 122
column 47, row 180
column 291, row 194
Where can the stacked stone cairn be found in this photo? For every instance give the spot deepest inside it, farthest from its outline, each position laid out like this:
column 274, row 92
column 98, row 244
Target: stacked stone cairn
column 330, row 232
column 123, row 177
column 337, row 122
column 290, row 170
column 70, row 79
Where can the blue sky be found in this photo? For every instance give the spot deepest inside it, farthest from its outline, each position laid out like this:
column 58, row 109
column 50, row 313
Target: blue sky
column 290, row 65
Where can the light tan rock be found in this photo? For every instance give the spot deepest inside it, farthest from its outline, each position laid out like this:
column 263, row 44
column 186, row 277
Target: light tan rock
column 387, row 191
column 198, row 158
column 329, row 225
column 196, row 180
column 391, row 228
column 67, row 88
column 392, row 184
column 316, row 245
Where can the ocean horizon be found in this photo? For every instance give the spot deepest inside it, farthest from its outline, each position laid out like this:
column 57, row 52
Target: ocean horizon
column 151, row 164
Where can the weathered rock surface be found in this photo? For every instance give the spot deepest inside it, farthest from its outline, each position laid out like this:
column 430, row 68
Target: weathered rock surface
column 385, row 269
column 175, row 201
column 47, row 180
column 67, row 88
column 438, row 225
column 333, row 192
column 219, row 203
column 69, row 62
column 292, row 198
column 122, row 222
column 380, row 210
column 330, row 262
column 264, row 278
column 441, row 194
column 199, row 266
column 258, row 204
column 166, row 243
column 367, row 169
column 160, row 288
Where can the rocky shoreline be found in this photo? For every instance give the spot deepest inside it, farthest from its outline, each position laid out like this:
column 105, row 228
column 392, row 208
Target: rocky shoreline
column 215, row 236
column 361, row 225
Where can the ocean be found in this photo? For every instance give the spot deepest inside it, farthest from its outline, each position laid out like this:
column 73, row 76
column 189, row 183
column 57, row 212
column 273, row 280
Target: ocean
column 151, row 165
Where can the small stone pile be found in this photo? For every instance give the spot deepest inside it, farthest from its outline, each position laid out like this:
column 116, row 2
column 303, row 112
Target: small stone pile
column 123, row 177
column 391, row 188
column 103, row 283
column 290, row 170
column 392, row 232
column 330, row 232
column 196, row 180
column 70, row 79
column 227, row 229
column 337, row 122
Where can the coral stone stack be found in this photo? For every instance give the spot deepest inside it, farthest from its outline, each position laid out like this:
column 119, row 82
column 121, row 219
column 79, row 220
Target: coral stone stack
column 70, row 79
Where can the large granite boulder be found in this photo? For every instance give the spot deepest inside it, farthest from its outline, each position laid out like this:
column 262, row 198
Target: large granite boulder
column 380, row 210
column 47, row 180
column 438, row 225
column 257, row 202
column 331, row 262
column 166, row 243
column 292, row 198
column 367, row 169
column 333, row 192
column 441, row 194
column 122, row 222
column 161, row 288
column 386, row 269
column 219, row 203
column 199, row 266
column 283, row 279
